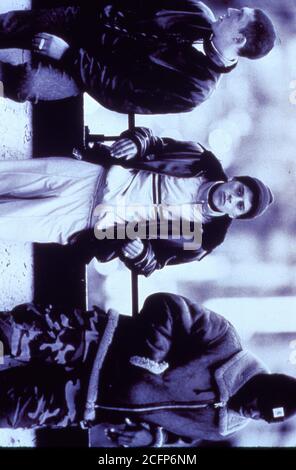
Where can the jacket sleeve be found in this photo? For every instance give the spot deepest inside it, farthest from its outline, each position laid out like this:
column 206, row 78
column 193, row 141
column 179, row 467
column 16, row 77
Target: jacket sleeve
column 145, row 141
column 175, row 330
column 84, row 246
column 150, row 88
column 140, row 6
column 164, row 155
column 155, row 148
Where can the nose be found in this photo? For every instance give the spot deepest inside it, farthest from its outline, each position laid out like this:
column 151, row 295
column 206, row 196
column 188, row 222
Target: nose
column 234, row 198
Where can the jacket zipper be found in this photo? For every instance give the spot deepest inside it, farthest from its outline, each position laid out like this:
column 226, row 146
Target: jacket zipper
column 162, row 407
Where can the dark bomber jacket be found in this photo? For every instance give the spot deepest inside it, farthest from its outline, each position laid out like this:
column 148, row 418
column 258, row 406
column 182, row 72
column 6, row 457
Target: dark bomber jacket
column 137, row 55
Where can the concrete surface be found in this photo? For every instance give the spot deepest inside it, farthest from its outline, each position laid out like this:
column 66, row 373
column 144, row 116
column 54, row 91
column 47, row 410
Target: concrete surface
column 16, row 265
column 16, row 260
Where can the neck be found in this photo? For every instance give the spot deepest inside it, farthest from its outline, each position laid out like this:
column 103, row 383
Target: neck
column 205, row 196
column 210, row 198
column 225, row 54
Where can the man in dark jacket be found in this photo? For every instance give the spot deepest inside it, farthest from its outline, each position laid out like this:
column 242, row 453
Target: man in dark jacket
column 158, row 181
column 177, row 369
column 131, row 55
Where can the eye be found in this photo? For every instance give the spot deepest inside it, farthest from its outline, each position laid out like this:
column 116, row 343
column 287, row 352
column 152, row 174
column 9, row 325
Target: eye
column 241, row 206
column 240, row 190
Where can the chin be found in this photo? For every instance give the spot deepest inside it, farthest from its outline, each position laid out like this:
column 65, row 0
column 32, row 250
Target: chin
column 214, row 203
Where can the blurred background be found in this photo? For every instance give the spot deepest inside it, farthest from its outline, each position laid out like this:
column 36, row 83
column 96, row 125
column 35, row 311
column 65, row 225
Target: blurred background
column 249, row 123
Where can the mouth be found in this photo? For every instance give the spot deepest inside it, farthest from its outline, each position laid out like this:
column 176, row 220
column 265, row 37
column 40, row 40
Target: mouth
column 223, row 198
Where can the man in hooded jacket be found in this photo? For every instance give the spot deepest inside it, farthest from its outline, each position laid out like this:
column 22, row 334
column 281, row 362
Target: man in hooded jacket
column 177, row 370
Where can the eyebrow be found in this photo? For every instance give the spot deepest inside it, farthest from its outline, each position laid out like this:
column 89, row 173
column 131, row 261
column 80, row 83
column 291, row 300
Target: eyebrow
column 251, row 199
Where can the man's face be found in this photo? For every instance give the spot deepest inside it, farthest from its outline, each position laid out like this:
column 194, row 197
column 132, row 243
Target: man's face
column 227, row 29
column 251, row 410
column 233, row 198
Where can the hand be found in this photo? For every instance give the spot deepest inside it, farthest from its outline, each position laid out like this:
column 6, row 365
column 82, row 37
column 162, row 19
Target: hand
column 133, row 249
column 129, row 435
column 77, row 154
column 123, row 148
column 49, row 45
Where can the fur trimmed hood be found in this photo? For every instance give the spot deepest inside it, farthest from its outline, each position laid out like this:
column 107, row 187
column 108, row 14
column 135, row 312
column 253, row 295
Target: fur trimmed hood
column 230, row 377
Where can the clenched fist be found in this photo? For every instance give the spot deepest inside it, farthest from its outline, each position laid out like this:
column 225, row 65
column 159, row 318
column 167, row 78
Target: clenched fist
column 133, row 249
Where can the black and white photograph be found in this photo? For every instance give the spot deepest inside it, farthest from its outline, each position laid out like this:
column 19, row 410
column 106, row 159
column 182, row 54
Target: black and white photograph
column 147, row 224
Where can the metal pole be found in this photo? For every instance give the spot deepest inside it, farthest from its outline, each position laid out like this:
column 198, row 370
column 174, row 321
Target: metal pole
column 131, row 121
column 134, row 276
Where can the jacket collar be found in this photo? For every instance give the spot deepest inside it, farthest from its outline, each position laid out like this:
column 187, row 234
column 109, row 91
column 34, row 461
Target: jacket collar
column 230, row 377
column 219, row 62
column 208, row 13
column 219, row 58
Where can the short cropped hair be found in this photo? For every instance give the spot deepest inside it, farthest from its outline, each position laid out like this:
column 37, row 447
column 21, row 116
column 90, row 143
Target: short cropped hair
column 261, row 36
